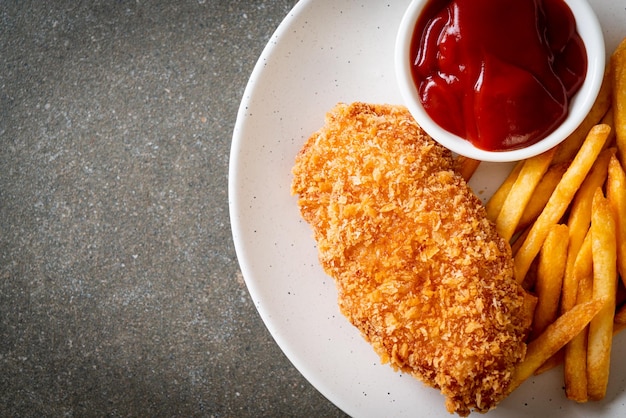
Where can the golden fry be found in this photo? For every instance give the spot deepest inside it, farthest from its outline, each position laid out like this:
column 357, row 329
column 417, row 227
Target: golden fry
column 529, row 177
column 575, row 359
column 583, row 268
column 579, row 220
column 518, row 241
column 559, row 333
column 604, row 252
column 466, row 167
column 620, row 316
column 552, row 362
column 619, row 321
column 607, row 119
column 494, row 204
column 616, row 193
column 550, row 271
column 542, row 194
column 560, row 199
column 567, row 149
column 580, row 214
column 618, row 79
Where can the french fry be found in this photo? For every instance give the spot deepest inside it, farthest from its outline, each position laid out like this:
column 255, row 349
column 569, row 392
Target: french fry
column 541, row 195
column 579, row 220
column 618, row 327
column 560, row 199
column 616, row 193
column 580, row 214
column 519, row 240
column 552, row 259
column 496, row 201
column 528, row 311
column 618, row 79
column 607, row 119
column 567, row 149
column 466, row 167
column 575, row 361
column 529, row 177
column 619, row 321
column 620, row 316
column 583, row 268
column 531, row 276
column 559, row 333
column 552, row 362
column 603, row 245
column 575, row 358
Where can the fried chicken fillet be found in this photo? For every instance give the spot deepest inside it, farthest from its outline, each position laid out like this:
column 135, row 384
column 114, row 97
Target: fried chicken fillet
column 419, row 269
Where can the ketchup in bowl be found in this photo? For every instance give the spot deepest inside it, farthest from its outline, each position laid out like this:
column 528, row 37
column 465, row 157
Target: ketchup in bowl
column 499, row 73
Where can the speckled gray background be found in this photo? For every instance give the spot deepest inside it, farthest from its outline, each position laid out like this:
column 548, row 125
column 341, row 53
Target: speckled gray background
column 120, row 293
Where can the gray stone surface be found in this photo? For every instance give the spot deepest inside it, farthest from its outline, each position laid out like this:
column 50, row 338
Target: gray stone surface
column 120, row 292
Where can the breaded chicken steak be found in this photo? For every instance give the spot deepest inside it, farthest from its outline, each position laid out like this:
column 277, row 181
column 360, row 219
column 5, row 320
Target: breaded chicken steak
column 418, row 267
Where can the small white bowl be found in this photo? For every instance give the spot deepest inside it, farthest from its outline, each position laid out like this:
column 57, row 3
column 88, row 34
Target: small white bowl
column 591, row 33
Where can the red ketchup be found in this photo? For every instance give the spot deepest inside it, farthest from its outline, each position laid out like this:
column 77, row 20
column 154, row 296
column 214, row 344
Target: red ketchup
column 498, row 73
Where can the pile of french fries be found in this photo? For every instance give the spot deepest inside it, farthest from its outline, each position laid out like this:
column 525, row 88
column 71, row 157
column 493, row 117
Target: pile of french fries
column 564, row 213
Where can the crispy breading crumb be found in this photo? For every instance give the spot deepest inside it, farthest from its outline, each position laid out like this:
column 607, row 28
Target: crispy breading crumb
column 418, row 267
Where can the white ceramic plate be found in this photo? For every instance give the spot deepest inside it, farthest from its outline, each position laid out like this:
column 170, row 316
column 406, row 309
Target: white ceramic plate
column 324, row 52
